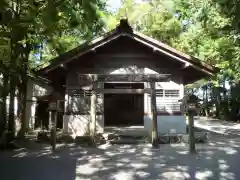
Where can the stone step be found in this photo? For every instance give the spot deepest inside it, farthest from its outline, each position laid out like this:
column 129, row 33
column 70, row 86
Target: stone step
column 114, row 136
column 130, row 136
column 126, row 141
column 119, row 138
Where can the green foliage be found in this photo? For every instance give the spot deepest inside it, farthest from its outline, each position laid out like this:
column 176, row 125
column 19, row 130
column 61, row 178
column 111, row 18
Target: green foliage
column 42, row 29
column 152, row 18
column 5, row 51
column 32, row 26
column 207, row 29
column 46, row 22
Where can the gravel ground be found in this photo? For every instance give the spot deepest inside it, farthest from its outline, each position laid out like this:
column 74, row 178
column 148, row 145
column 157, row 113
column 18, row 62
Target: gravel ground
column 220, row 127
column 219, row 159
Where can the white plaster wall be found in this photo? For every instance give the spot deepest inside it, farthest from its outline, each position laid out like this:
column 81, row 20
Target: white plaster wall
column 166, row 124
column 34, row 88
column 78, row 125
column 100, row 123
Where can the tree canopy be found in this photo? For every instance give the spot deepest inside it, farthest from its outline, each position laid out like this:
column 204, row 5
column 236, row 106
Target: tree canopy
column 32, row 32
column 208, row 30
column 31, row 26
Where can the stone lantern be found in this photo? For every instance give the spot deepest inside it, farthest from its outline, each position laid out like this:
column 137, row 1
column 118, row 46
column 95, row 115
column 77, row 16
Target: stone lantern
column 191, row 104
column 53, row 108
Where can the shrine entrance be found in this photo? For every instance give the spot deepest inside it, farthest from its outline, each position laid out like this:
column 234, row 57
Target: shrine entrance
column 111, row 87
column 126, row 109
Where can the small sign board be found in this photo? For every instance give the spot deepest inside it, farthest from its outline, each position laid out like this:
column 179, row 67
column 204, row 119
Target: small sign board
column 52, row 106
column 191, row 106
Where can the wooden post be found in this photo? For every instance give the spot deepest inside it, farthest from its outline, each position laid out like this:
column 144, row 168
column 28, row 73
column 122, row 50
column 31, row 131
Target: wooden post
column 93, row 111
column 191, row 105
column 154, row 116
column 191, row 133
column 53, row 110
column 53, row 129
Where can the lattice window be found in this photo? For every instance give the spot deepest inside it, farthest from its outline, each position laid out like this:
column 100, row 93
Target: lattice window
column 166, row 100
column 171, row 93
column 79, row 101
column 159, row 93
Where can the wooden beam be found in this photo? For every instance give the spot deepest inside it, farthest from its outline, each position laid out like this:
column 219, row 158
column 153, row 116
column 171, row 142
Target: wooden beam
column 185, row 65
column 123, row 91
column 123, row 55
column 124, row 77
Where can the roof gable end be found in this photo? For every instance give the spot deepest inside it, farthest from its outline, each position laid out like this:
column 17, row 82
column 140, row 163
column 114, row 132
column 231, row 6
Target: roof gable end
column 124, row 29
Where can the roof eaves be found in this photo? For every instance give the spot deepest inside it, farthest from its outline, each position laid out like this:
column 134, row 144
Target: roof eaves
column 83, row 49
column 35, row 76
column 190, row 59
column 169, row 53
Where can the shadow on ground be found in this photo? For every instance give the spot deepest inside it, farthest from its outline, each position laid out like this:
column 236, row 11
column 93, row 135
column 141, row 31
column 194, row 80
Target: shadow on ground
column 219, row 159
column 227, row 128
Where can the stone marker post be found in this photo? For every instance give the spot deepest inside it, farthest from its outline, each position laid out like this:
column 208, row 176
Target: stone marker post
column 53, row 111
column 191, row 104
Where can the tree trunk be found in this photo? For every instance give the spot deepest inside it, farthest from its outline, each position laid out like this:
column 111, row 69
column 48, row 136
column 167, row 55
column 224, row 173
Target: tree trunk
column 225, row 102
column 206, row 102
column 154, row 116
column 12, row 90
column 4, row 98
column 11, row 118
column 24, row 125
column 217, row 103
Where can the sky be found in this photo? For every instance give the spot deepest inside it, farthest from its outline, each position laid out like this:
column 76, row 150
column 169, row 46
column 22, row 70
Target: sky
column 113, row 4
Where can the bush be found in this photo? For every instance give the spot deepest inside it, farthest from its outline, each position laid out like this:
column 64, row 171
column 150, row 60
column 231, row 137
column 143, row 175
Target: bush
column 65, row 138
column 43, row 136
column 84, row 140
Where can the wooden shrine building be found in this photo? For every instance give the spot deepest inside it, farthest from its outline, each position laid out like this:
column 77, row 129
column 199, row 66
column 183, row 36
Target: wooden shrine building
column 111, row 80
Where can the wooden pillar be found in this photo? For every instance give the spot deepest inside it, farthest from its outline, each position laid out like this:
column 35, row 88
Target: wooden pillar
column 65, row 116
column 93, row 111
column 191, row 132
column 154, row 116
column 53, row 129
